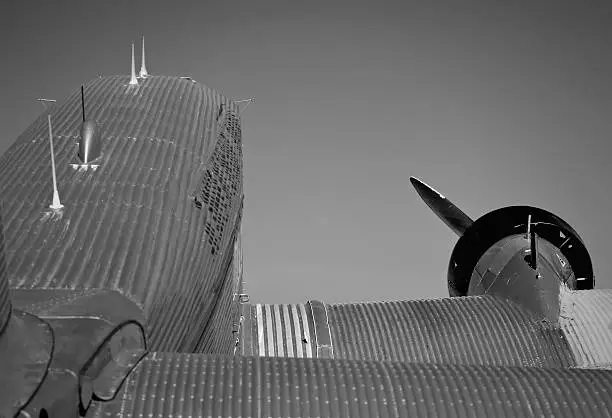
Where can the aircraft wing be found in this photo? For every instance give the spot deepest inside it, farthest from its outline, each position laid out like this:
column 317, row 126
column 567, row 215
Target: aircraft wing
column 475, row 330
column 196, row 385
column 450, row 357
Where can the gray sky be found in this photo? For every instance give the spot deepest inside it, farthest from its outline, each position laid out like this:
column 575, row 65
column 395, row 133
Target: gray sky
column 491, row 102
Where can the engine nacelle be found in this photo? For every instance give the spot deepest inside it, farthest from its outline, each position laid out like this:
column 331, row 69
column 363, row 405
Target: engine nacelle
column 521, row 253
column 490, row 235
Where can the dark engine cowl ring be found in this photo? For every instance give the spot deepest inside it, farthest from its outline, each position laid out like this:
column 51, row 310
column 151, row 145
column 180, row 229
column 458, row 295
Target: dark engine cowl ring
column 511, row 220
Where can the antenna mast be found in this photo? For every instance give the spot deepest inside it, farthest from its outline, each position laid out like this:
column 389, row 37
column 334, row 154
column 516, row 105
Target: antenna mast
column 143, row 68
column 56, row 199
column 56, row 204
column 133, row 80
column 83, row 102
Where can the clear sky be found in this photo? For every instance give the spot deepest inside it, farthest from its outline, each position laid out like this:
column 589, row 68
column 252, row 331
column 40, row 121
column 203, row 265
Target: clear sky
column 493, row 103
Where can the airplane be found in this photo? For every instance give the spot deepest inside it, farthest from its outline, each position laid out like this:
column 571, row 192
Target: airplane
column 121, row 288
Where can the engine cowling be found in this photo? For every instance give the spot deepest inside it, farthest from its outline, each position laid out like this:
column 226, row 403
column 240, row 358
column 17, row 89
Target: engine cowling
column 504, row 223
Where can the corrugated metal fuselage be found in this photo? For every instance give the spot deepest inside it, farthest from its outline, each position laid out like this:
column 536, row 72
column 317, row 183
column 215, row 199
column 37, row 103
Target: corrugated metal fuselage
column 156, row 217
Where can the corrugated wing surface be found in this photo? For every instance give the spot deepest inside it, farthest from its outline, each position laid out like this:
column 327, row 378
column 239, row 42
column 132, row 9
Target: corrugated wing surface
column 172, row 385
column 468, row 330
column 132, row 225
column 586, row 319
column 278, row 331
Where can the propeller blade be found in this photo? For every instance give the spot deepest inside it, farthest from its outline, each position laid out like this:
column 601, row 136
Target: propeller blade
column 450, row 214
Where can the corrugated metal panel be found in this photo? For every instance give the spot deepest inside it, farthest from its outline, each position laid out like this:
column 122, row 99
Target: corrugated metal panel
column 237, row 289
column 248, row 330
column 5, row 300
column 322, row 342
column 586, row 319
column 43, row 301
column 173, row 385
column 78, row 303
column 467, row 330
column 219, row 336
column 131, row 225
column 279, row 330
column 237, row 283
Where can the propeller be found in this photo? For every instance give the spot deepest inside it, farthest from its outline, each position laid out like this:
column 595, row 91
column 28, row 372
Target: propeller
column 450, row 214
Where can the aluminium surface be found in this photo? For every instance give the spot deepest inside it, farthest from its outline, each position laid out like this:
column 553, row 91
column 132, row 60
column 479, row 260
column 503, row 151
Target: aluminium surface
column 474, row 330
column 278, row 331
column 193, row 385
column 469, row 330
column 219, row 335
column 586, row 320
column 5, row 299
column 131, row 224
